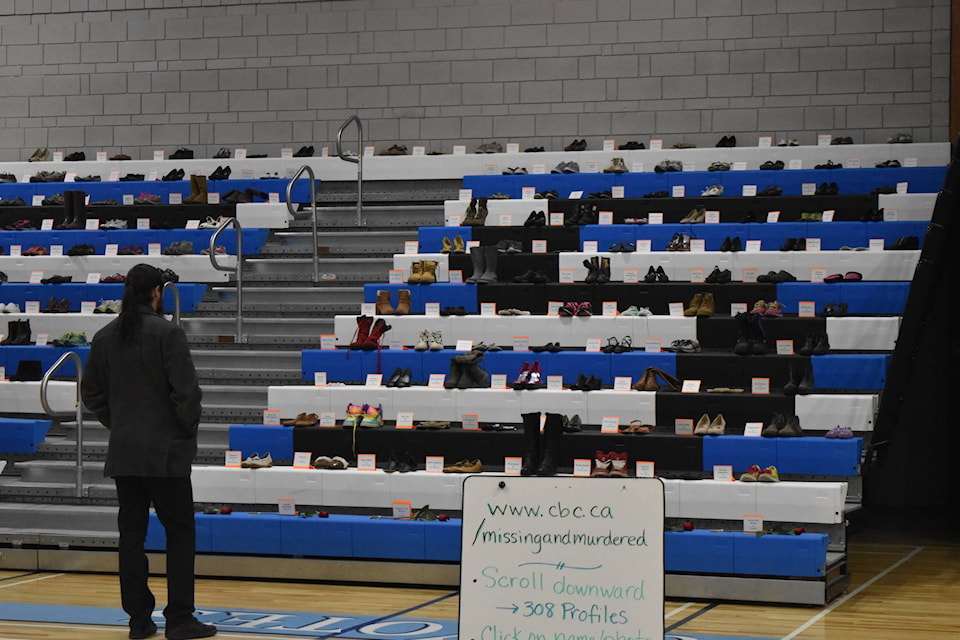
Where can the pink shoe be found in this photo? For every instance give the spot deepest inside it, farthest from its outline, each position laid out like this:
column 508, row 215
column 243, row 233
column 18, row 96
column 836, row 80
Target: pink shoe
column 843, row 433
column 759, row 307
column 523, row 378
column 584, row 310
column 774, row 309
column 535, row 376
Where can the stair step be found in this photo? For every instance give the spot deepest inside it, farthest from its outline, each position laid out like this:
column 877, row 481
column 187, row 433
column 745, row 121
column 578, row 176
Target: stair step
column 57, row 517
column 352, row 270
column 339, row 242
column 285, row 327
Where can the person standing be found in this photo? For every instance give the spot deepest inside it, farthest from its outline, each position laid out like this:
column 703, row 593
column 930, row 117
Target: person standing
column 140, row 382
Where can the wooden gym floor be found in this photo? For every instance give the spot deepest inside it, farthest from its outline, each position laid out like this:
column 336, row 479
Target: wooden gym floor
column 904, row 587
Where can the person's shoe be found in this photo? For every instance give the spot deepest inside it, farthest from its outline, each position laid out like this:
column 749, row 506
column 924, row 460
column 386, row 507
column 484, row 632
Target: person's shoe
column 192, row 628
column 694, row 305
column 140, row 631
column 769, row 475
column 703, row 426
column 601, row 465
column 843, row 433
column 752, row 474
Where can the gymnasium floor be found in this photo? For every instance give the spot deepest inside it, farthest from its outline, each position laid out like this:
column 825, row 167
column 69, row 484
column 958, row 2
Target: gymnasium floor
column 904, row 588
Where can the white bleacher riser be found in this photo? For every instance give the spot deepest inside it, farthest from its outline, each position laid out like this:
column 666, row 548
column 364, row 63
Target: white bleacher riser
column 873, row 265
column 569, row 332
column 263, row 215
column 817, row 502
column 356, row 488
column 56, row 324
column 222, row 485
column 909, row 206
column 439, row 490
column 305, row 486
column 863, row 333
column 24, row 397
column 190, row 268
column 824, row 411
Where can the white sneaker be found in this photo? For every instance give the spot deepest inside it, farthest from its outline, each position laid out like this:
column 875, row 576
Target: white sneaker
column 644, row 311
column 715, row 190
column 11, row 307
column 424, row 343
column 436, row 341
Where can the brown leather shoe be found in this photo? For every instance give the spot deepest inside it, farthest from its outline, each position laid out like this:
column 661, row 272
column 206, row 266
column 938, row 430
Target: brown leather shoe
column 306, row 420
column 403, row 302
column 384, row 308
column 293, row 422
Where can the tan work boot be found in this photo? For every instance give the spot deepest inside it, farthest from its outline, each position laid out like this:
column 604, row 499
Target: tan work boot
column 384, row 308
column 707, row 305
column 428, row 273
column 403, row 302
column 447, row 245
column 416, row 271
column 458, row 246
column 694, row 307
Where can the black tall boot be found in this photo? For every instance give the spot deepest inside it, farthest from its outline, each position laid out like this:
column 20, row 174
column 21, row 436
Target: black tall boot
column 476, row 257
column 796, row 375
column 13, row 327
column 490, row 256
column 68, row 214
column 742, row 347
column 550, row 441
column 806, row 383
column 24, row 334
column 79, row 210
column 472, row 376
column 758, row 337
column 531, row 443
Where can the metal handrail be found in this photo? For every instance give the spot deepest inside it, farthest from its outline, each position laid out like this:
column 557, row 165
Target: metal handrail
column 238, row 270
column 357, row 159
column 176, row 299
column 313, row 212
column 69, row 355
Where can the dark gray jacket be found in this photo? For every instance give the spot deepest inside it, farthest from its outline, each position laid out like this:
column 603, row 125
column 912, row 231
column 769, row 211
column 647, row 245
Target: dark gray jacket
column 146, row 393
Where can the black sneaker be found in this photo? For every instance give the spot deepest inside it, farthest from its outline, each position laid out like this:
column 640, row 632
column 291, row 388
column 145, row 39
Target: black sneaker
column 192, row 628
column 139, row 632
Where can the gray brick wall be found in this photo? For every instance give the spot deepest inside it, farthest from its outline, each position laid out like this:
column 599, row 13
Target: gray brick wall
column 135, row 75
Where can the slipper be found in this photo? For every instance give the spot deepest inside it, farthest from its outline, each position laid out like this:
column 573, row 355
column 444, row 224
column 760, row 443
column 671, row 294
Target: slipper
column 853, row 276
column 836, row 277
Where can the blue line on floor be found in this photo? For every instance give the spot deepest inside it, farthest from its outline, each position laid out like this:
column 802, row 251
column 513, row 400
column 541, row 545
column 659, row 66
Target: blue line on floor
column 391, row 615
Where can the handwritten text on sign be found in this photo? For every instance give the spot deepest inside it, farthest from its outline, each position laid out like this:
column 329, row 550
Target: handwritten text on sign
column 562, row 559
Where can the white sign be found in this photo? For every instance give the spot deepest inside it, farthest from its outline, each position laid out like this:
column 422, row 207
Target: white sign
column 545, row 579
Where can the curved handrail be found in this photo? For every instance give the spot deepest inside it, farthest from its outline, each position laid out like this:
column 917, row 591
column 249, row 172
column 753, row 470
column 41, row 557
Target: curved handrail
column 69, row 355
column 358, row 159
column 238, row 269
column 176, row 299
column 313, row 212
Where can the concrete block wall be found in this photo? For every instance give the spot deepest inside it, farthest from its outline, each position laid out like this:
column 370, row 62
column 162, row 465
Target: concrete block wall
column 136, row 75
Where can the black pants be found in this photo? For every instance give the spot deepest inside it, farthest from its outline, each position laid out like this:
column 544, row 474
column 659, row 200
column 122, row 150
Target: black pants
column 172, row 498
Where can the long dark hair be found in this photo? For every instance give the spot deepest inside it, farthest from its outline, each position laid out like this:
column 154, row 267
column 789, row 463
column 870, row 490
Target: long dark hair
column 138, row 288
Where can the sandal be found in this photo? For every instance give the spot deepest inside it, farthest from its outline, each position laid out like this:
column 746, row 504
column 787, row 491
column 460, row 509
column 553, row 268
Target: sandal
column 612, row 345
column 626, row 346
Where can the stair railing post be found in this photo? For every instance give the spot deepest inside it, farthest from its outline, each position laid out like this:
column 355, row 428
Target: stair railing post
column 237, row 270
column 357, row 159
column 313, row 212
column 70, row 355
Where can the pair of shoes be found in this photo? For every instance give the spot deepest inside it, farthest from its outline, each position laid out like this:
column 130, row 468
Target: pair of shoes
column 222, row 152
column 875, row 215
column 610, row 465
column 783, row 426
column 585, row 214
column 489, row 147
column 385, row 308
column 827, row 189
column 772, row 309
column 429, row 340
column 617, row 165
column 697, row 214
column 898, row 138
column 731, row 244
column 533, row 150
column 650, row 381
column 598, row 270
column 685, row 346
column 433, row 424
column 541, row 452
column 657, row 194
column 453, row 311
column 634, row 311
column 718, row 276
column 120, row 156
column 679, row 242
column 334, row 463
column 702, row 305
column 513, row 312
column 369, row 333
column 515, row 171
column 586, row 383
column 631, row 146
column 71, row 339
column 115, row 278
column 531, row 276
column 466, row 373
column 423, row 272
column 816, row 344
column 566, row 167
column 39, row 155
column 656, row 275
column 57, row 306
column 484, row 261
column 841, row 140
column 182, row 154
column 904, row 243
column 547, row 195
column 366, row 416
column 751, row 338
column 638, row 427
column 18, row 331
column 849, row 276
column 55, row 279
column 550, row 347
column 755, row 474
column 579, row 309
column 183, row 248
column 572, row 424
column 715, row 190
column 509, row 246
column 393, row 150
column 801, row 379
column 220, row 173
column 254, row 461
column 456, row 246
column 684, row 145
column 109, row 306
column 618, row 346
column 465, row 466
column 834, row 310
column 727, row 141
column 770, row 191
column 302, row 420
column 576, row 145
column 843, row 433
column 707, row 427
column 668, row 166
column 622, row 247
column 404, row 464
column 772, row 165
column 777, row 276
column 719, row 166
column 536, row 219
column 829, row 164
column 530, row 377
